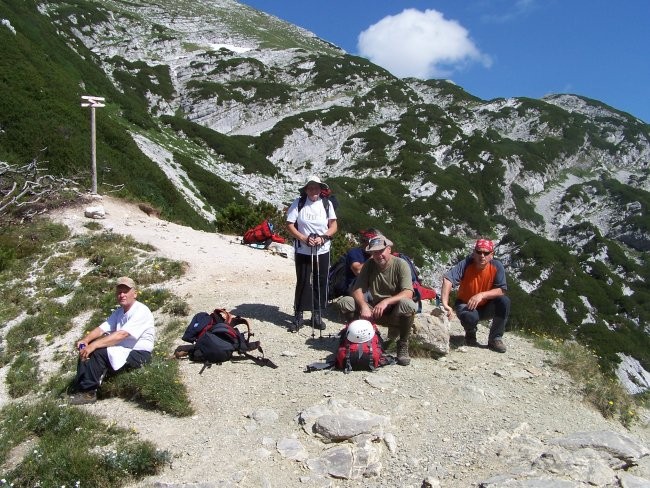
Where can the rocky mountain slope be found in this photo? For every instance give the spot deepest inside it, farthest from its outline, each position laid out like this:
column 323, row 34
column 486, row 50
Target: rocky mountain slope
column 561, row 183
column 471, row 417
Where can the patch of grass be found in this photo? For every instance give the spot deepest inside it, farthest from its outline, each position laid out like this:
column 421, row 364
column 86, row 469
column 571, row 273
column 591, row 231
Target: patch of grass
column 108, row 255
column 603, row 392
column 177, row 306
column 72, row 448
column 154, row 298
column 22, row 377
column 157, row 385
column 92, row 225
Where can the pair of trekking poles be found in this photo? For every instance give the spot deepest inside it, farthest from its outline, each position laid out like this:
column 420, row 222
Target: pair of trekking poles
column 315, row 262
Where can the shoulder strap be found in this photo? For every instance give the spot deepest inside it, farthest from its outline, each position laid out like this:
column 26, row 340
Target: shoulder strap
column 372, row 359
column 326, row 204
column 347, row 367
column 303, row 199
column 225, row 315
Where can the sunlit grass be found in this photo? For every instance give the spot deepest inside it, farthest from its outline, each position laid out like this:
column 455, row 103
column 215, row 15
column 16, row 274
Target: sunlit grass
column 604, row 392
column 43, row 294
column 69, row 447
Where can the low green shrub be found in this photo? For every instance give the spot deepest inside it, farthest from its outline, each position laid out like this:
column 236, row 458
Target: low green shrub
column 69, row 447
column 22, row 377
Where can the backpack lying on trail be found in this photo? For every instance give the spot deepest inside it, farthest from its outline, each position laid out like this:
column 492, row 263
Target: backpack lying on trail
column 262, row 234
column 215, row 337
column 361, row 348
column 420, row 292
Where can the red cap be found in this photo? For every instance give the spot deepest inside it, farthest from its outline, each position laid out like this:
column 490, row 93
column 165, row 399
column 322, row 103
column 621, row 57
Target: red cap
column 484, row 245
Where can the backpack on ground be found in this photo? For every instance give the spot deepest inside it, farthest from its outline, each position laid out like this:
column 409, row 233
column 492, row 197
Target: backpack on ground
column 336, row 279
column 215, row 337
column 420, row 292
column 361, row 348
column 262, row 234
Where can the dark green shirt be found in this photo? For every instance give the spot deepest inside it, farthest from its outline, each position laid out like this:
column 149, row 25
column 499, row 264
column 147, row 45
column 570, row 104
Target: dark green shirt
column 384, row 284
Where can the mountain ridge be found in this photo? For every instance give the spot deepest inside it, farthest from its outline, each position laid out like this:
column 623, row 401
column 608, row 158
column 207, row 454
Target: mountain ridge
column 555, row 181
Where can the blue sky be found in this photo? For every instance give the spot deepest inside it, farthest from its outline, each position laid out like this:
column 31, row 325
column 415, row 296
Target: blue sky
column 495, row 48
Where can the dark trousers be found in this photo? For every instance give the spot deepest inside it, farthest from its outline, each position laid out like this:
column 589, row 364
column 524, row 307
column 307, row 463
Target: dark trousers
column 90, row 373
column 311, row 269
column 497, row 309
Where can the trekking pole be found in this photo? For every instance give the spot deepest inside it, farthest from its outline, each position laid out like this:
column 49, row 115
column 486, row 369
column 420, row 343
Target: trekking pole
column 311, row 284
column 320, row 308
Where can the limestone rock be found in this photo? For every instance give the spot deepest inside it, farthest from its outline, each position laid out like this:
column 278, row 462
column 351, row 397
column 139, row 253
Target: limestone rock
column 431, row 332
column 95, row 212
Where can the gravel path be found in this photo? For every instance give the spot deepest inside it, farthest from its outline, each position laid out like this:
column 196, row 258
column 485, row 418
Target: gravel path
column 450, row 416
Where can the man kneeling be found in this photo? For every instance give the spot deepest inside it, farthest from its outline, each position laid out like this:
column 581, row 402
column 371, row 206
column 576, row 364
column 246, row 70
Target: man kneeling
column 125, row 339
column 383, row 293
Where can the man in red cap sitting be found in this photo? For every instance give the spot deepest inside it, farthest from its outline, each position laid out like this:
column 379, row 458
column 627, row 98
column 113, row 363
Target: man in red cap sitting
column 481, row 294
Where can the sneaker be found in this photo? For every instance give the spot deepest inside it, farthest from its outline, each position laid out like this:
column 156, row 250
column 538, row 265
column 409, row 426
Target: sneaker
column 83, row 397
column 497, row 345
column 470, row 338
column 403, row 358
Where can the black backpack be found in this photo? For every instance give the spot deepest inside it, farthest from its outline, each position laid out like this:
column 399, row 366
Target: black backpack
column 336, row 279
column 215, row 337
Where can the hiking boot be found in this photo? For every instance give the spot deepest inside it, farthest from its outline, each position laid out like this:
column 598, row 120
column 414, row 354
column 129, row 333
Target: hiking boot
column 317, row 321
column 497, row 345
column 297, row 322
column 403, row 358
column 83, row 397
column 470, row 338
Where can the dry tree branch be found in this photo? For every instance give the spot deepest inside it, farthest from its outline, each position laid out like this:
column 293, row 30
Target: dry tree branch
column 25, row 191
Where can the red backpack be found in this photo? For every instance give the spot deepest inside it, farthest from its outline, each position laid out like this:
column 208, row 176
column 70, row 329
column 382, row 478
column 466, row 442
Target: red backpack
column 259, row 233
column 361, row 356
column 262, row 234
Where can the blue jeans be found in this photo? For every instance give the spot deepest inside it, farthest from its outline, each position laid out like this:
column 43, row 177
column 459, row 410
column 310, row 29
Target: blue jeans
column 497, row 309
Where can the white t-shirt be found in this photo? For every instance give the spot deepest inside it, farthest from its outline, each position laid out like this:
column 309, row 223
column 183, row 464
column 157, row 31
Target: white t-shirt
column 312, row 219
column 138, row 322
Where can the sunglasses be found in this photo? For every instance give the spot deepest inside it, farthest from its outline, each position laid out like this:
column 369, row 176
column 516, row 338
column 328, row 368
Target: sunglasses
column 483, row 253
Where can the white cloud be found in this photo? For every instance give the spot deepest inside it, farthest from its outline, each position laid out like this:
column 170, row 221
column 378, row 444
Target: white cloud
column 420, row 44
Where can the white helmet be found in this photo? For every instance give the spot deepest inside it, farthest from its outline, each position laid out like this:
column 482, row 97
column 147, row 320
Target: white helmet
column 360, row 331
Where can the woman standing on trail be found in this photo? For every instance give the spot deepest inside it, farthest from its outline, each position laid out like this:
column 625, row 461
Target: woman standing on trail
column 311, row 220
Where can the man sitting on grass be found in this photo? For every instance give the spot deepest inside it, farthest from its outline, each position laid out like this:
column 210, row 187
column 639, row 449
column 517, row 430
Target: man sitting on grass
column 125, row 339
